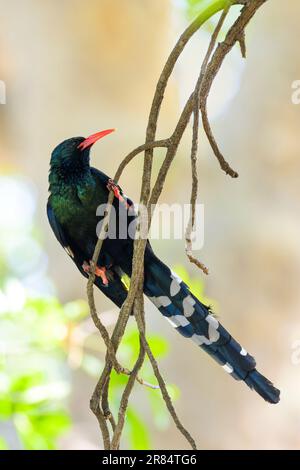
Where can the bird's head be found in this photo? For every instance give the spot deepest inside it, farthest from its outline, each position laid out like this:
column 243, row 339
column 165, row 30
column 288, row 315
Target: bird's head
column 72, row 155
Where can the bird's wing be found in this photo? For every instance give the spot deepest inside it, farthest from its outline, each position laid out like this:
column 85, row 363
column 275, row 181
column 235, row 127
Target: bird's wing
column 116, row 289
column 57, row 228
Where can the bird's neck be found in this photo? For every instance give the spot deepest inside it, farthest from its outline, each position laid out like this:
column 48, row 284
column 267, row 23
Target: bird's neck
column 64, row 179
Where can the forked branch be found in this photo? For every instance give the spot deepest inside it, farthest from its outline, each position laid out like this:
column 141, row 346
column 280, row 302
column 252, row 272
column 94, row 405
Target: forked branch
column 149, row 197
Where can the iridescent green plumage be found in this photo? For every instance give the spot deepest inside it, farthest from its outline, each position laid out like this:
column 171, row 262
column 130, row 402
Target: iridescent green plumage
column 76, row 191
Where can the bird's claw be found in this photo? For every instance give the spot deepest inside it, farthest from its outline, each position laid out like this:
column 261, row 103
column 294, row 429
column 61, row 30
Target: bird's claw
column 100, row 271
column 112, row 186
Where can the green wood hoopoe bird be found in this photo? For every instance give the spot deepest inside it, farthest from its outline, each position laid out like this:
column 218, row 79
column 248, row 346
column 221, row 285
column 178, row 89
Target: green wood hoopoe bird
column 76, row 192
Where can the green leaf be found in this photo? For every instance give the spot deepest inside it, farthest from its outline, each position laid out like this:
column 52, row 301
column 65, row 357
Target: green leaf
column 160, row 413
column 6, row 407
column 136, row 431
column 26, row 381
column 76, row 310
column 3, row 444
column 52, row 423
column 129, row 347
column 194, row 7
column 117, row 382
column 173, row 391
column 158, row 345
column 126, row 281
column 40, row 431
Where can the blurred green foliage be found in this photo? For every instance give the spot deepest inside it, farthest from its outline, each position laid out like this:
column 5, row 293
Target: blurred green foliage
column 194, row 7
column 136, row 431
column 33, row 377
column 37, row 338
column 33, row 326
column 40, row 337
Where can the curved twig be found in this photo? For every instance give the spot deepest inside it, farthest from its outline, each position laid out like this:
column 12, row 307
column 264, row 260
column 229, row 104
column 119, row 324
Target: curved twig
column 194, row 149
column 134, row 298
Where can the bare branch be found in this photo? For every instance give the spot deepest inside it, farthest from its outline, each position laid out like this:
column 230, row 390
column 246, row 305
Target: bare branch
column 162, row 385
column 194, row 149
column 234, row 34
column 136, row 151
column 134, row 301
column 139, row 305
column 242, row 42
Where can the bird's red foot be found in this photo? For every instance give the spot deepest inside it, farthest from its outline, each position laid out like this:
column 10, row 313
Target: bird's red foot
column 100, row 271
column 112, row 186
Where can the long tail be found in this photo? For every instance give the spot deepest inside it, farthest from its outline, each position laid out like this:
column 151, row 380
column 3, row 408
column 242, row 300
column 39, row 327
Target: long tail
column 194, row 320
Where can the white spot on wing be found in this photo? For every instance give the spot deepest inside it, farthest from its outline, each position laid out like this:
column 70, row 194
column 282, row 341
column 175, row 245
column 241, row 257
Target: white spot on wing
column 69, row 251
column 178, row 320
column 175, row 284
column 200, row 339
column 213, row 334
column 162, row 301
column 172, row 323
column 228, row 368
column 212, row 321
column 188, row 306
column 243, row 352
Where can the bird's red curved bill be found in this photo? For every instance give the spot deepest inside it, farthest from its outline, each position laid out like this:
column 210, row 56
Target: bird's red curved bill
column 89, row 141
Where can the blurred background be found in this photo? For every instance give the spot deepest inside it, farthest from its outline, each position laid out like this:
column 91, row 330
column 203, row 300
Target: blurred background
column 75, row 68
